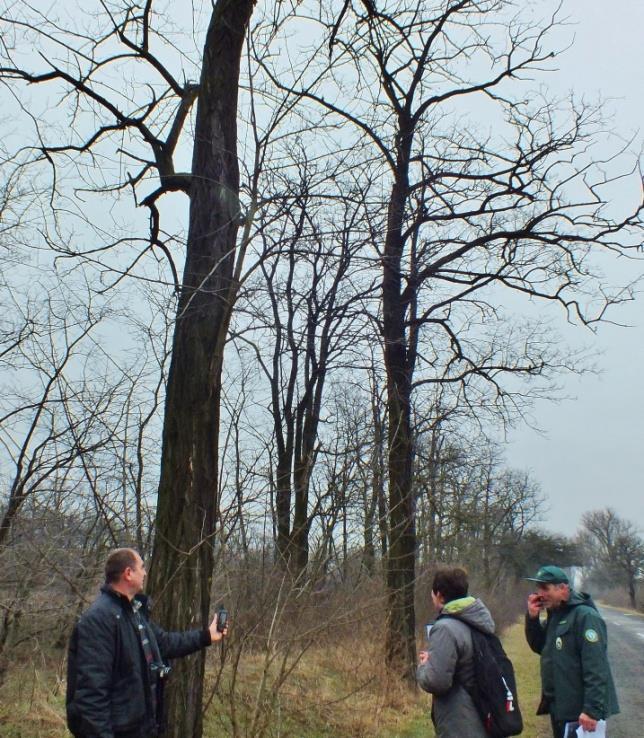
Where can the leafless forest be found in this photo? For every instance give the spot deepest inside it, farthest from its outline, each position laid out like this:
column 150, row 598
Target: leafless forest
column 275, row 277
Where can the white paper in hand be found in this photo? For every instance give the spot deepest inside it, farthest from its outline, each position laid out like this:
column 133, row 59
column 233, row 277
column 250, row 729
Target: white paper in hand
column 599, row 732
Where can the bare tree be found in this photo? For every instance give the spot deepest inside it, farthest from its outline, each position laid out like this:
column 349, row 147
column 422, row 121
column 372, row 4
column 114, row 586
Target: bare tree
column 535, row 547
column 303, row 320
column 471, row 506
column 49, row 422
column 451, row 213
column 148, row 122
column 615, row 548
column 364, row 440
column 468, row 211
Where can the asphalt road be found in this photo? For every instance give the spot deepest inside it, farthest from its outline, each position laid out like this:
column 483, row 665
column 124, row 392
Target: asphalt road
column 626, row 654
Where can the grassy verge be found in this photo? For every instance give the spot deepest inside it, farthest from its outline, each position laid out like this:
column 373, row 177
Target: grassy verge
column 331, row 693
column 526, row 666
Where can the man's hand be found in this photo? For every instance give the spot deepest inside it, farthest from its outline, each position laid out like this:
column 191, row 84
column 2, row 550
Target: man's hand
column 587, row 723
column 423, row 657
column 216, row 635
column 534, row 604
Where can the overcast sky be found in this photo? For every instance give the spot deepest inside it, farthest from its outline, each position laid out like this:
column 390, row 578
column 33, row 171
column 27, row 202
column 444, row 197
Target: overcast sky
column 592, row 455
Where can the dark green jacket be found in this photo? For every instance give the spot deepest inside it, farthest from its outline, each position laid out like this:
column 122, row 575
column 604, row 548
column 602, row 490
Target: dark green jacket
column 575, row 674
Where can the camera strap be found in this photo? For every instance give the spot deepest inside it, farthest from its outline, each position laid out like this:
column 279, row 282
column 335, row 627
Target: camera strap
column 155, row 668
column 144, row 637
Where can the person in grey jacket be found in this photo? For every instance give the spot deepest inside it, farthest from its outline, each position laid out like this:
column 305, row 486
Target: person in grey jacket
column 446, row 668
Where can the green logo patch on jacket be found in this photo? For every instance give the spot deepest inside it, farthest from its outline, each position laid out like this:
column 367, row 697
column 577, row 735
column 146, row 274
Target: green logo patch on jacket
column 591, row 636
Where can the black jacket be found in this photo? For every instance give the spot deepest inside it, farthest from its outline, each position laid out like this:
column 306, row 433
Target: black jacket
column 111, row 688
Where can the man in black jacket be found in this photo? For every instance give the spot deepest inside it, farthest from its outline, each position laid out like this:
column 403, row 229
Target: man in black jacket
column 117, row 657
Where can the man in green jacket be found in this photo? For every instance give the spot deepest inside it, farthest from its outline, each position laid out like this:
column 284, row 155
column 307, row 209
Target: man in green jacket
column 576, row 682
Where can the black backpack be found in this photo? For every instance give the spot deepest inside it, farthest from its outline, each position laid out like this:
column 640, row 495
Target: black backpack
column 495, row 689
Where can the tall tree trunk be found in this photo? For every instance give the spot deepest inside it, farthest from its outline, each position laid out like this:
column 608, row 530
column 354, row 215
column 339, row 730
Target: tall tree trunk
column 401, row 560
column 631, row 592
column 369, row 549
column 182, row 564
column 432, row 542
column 378, row 482
column 283, row 508
column 400, row 638
column 301, row 519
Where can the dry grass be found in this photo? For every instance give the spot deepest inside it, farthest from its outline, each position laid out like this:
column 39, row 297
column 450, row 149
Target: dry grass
column 340, row 691
column 526, row 666
column 336, row 691
column 32, row 703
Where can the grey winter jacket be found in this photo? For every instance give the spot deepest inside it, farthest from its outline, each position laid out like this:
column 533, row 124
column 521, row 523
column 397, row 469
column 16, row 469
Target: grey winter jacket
column 449, row 672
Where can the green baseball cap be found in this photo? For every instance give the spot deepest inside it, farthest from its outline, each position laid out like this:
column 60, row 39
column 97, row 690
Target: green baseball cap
column 550, row 575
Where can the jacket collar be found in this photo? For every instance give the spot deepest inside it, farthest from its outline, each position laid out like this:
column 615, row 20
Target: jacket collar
column 143, row 601
column 114, row 595
column 456, row 606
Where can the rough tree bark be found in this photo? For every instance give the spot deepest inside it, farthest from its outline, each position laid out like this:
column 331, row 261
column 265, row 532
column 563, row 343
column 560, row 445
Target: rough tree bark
column 182, row 562
column 401, row 560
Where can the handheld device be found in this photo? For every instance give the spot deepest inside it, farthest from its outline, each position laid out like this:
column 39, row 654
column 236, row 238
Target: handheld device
column 222, row 619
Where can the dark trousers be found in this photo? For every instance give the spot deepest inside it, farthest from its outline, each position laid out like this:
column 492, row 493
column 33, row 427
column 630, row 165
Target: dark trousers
column 558, row 727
